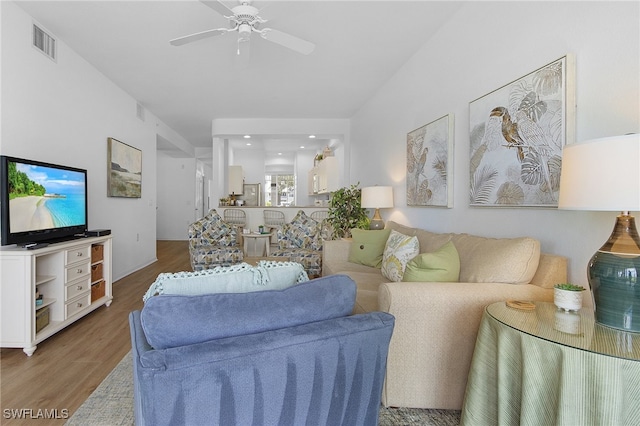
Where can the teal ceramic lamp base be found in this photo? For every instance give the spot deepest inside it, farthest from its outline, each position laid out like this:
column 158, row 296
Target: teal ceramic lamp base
column 614, row 276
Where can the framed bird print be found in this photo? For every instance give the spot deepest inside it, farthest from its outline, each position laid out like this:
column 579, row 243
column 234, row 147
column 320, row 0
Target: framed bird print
column 430, row 164
column 516, row 137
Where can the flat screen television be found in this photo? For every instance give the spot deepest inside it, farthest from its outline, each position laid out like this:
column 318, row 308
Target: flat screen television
column 41, row 202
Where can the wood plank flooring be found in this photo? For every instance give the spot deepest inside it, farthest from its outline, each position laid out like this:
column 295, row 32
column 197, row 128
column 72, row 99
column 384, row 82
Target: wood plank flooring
column 67, row 367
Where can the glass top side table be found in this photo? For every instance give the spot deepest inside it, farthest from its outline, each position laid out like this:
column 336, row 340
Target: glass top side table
column 549, row 367
column 578, row 330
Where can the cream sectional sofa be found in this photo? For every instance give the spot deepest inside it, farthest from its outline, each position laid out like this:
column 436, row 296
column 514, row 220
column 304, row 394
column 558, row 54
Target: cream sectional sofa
column 437, row 322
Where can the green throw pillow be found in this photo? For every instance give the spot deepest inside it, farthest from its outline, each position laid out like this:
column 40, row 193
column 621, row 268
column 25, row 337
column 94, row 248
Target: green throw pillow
column 367, row 246
column 442, row 265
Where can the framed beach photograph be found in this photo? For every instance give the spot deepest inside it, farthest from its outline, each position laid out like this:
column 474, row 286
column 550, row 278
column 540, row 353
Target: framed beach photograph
column 517, row 133
column 124, row 170
column 430, row 164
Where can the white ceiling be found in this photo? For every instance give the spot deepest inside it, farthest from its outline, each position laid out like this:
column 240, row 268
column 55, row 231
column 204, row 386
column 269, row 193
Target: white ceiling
column 359, row 46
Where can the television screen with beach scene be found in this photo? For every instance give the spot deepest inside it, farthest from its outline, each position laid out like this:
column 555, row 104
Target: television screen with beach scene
column 41, row 201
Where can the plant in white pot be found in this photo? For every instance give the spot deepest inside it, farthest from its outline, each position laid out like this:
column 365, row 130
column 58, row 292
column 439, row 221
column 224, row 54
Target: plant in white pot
column 568, row 297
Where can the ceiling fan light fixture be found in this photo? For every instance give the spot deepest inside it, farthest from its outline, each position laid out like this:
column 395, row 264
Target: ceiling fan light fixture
column 244, row 32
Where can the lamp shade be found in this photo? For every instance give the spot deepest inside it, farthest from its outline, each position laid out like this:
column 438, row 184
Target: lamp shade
column 377, row 197
column 604, row 174
column 601, row 174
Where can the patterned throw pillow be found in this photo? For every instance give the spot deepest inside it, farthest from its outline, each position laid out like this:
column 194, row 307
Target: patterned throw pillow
column 217, row 232
column 301, row 232
column 398, row 251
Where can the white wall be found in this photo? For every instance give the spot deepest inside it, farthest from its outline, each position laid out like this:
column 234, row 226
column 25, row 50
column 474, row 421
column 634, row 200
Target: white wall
column 483, row 47
column 63, row 112
column 176, row 193
column 303, row 164
column 252, row 163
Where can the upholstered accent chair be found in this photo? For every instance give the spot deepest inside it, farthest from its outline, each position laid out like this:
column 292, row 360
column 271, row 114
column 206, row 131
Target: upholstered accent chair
column 301, row 241
column 213, row 242
column 322, row 217
column 293, row 356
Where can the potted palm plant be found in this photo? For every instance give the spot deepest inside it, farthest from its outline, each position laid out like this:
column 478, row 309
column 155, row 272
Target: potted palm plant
column 567, row 296
column 345, row 211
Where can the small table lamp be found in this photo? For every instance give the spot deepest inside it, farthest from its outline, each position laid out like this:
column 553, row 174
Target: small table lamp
column 604, row 174
column 377, row 197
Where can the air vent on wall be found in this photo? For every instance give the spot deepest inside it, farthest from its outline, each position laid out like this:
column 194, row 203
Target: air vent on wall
column 44, row 42
column 140, row 111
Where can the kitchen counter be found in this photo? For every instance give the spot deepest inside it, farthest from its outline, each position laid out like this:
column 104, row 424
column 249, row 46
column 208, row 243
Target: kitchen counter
column 255, row 216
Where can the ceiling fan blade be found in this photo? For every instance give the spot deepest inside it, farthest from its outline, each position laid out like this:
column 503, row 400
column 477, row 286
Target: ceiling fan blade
column 197, row 36
column 219, row 7
column 287, row 40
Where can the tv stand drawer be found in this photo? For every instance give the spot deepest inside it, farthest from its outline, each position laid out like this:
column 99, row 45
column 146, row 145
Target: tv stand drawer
column 77, row 305
column 77, row 254
column 80, row 270
column 76, row 288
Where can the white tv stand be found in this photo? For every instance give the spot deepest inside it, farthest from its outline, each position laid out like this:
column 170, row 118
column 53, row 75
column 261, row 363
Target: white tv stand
column 71, row 282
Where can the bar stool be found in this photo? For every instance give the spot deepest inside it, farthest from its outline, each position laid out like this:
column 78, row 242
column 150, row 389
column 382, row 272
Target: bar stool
column 237, row 218
column 273, row 219
column 320, row 215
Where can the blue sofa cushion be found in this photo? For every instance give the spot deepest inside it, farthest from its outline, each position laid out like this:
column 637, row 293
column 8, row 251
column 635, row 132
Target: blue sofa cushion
column 176, row 320
column 241, row 278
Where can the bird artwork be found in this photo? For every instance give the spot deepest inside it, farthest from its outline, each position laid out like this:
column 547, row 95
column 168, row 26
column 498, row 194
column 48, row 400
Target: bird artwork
column 427, row 162
column 516, row 148
column 416, row 159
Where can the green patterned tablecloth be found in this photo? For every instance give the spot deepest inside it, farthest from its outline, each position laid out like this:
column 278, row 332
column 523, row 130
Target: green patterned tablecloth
column 548, row 367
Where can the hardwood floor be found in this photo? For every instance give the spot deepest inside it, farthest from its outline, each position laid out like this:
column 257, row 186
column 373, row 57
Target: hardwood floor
column 67, row 367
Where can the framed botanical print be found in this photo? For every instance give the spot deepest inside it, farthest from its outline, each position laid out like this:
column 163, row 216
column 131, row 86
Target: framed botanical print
column 430, row 164
column 516, row 137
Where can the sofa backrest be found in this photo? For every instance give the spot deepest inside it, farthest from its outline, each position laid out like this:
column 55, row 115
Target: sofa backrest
column 501, row 260
column 429, row 241
column 497, row 260
column 178, row 320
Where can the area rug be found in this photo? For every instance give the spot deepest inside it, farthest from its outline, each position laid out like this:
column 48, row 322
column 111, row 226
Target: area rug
column 111, row 404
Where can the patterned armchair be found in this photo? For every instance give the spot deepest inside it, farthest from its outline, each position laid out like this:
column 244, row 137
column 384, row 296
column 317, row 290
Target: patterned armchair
column 213, row 242
column 301, row 241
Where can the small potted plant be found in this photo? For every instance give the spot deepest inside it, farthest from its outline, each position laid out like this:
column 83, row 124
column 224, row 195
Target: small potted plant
column 568, row 297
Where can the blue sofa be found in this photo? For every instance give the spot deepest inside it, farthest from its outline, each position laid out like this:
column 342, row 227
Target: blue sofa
column 276, row 357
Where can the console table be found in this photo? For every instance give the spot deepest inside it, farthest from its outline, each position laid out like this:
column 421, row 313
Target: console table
column 74, row 278
column 546, row 366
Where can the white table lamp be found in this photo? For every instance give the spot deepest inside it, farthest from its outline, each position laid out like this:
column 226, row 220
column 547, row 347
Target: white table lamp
column 377, row 197
column 604, row 175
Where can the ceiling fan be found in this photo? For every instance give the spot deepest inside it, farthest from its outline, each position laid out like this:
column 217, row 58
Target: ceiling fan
column 244, row 19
